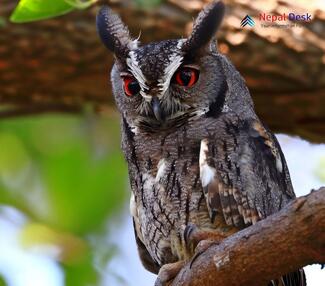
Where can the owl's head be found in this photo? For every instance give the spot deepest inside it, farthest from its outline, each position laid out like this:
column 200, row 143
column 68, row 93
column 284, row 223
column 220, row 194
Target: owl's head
column 163, row 85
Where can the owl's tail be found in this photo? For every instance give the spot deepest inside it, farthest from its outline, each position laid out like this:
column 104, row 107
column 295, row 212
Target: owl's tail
column 297, row 278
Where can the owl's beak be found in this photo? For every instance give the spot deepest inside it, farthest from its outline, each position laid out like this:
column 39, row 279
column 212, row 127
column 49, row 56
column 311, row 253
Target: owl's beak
column 157, row 110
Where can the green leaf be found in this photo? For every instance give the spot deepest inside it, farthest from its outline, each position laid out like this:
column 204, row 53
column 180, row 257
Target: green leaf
column 77, row 162
column 69, row 177
column 80, row 4
column 32, row 10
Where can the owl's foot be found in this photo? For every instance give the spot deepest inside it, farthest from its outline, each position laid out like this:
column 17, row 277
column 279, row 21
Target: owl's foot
column 168, row 272
column 202, row 246
column 197, row 240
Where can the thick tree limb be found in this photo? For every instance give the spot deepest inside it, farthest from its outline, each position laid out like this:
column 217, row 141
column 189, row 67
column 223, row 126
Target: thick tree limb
column 61, row 62
column 281, row 243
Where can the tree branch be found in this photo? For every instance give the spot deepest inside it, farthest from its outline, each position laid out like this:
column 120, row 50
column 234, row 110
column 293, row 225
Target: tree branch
column 61, row 60
column 283, row 242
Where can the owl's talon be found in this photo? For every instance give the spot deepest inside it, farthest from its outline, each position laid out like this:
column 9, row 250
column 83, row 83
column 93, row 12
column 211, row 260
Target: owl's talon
column 195, row 237
column 168, row 272
column 203, row 245
column 188, row 233
column 192, row 237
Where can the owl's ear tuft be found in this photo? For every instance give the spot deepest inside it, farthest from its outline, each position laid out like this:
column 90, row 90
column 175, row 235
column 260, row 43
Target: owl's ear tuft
column 113, row 33
column 205, row 27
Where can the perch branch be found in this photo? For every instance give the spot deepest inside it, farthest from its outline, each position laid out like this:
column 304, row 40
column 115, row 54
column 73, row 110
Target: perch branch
column 283, row 242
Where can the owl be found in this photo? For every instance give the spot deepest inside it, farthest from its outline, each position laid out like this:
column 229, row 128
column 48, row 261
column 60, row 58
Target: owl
column 201, row 163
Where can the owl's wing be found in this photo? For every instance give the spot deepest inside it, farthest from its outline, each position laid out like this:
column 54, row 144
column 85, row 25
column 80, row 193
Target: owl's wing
column 245, row 177
column 244, row 174
column 128, row 148
column 144, row 255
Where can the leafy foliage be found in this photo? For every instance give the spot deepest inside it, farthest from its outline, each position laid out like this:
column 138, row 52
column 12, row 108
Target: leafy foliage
column 67, row 174
column 32, row 10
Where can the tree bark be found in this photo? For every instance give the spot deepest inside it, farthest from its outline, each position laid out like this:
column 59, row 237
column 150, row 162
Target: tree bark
column 279, row 244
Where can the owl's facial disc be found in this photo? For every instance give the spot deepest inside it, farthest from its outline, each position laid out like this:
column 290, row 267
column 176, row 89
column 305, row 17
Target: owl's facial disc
column 156, row 91
column 184, row 77
column 162, row 95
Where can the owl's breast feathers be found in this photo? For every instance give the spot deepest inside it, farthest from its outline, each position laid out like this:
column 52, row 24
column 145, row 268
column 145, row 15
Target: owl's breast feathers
column 221, row 174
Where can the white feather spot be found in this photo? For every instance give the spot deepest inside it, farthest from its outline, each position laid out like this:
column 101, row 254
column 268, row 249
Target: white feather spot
column 134, row 129
column 134, row 44
column 163, row 83
column 225, row 108
column 279, row 164
column 134, row 68
column 161, row 167
column 203, row 151
column 148, row 181
column 133, row 206
column 207, row 173
column 180, row 43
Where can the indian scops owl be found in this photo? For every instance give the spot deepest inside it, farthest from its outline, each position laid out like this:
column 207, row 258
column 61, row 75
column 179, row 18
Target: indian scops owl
column 201, row 163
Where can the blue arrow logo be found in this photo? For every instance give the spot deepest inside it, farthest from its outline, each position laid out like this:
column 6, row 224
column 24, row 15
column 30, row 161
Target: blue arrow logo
column 247, row 20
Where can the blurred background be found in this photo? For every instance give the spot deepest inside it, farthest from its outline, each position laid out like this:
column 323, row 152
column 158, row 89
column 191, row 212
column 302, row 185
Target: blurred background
column 64, row 218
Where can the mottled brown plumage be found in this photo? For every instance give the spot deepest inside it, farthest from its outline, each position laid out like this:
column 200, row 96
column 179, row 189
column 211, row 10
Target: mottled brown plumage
column 201, row 164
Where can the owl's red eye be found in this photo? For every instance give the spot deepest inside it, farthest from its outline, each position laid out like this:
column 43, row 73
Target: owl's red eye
column 186, row 76
column 131, row 86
